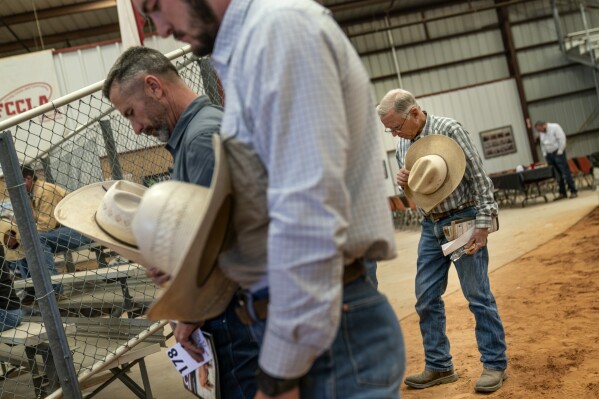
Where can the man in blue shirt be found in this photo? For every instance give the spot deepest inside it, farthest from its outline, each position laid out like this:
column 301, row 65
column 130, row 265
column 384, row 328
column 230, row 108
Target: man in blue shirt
column 147, row 90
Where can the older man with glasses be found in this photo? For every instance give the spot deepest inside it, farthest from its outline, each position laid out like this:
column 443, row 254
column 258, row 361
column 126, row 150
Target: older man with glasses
column 397, row 129
column 469, row 197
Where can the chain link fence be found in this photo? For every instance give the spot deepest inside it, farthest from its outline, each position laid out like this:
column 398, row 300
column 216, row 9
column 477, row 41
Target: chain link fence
column 83, row 309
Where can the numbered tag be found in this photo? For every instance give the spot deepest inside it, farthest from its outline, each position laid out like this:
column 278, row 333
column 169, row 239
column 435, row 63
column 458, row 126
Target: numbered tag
column 183, row 361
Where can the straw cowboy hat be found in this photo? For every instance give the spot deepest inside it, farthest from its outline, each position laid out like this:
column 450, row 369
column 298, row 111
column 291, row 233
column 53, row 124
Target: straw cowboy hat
column 9, row 229
column 436, row 164
column 176, row 227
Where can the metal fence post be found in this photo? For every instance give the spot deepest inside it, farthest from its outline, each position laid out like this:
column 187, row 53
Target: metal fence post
column 39, row 273
column 113, row 155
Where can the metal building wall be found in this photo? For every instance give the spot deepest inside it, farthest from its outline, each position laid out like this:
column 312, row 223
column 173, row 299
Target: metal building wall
column 557, row 88
column 476, row 48
column 443, row 54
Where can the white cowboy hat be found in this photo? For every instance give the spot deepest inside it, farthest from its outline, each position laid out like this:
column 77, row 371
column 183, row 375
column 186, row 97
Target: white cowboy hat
column 176, row 227
column 437, row 165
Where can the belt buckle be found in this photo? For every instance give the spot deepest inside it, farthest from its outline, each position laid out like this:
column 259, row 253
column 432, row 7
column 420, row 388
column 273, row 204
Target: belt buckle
column 245, row 307
column 436, row 219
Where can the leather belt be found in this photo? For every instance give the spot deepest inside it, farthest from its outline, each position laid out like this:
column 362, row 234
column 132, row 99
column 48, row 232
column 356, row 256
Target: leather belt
column 250, row 310
column 435, row 217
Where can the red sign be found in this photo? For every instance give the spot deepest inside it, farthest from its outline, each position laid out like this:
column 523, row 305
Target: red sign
column 24, row 98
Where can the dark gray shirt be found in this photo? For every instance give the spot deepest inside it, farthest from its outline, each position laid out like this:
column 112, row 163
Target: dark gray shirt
column 190, row 143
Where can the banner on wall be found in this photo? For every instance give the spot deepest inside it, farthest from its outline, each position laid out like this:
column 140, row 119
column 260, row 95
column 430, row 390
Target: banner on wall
column 130, row 23
column 29, row 81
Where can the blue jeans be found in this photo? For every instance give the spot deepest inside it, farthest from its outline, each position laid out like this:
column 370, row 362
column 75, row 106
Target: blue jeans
column 371, row 267
column 237, row 348
column 367, row 358
column 10, row 319
column 431, row 283
column 560, row 164
column 57, row 240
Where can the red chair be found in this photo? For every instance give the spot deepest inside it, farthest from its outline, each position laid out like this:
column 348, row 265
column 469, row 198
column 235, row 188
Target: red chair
column 578, row 175
column 395, row 212
column 586, row 167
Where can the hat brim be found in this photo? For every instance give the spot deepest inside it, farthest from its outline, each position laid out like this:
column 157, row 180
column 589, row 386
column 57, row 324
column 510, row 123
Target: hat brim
column 198, row 289
column 78, row 211
column 451, row 152
column 183, row 300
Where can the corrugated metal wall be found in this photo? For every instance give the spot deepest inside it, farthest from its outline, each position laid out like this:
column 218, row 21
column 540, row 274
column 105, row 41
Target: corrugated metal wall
column 457, row 59
column 557, row 89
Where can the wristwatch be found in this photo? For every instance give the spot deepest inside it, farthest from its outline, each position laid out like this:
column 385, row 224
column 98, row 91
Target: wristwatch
column 272, row 386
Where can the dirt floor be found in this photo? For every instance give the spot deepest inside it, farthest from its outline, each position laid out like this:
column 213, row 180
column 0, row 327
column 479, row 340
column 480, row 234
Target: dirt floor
column 548, row 301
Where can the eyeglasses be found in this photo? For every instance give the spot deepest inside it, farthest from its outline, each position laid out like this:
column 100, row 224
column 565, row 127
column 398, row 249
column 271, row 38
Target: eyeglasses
column 398, row 129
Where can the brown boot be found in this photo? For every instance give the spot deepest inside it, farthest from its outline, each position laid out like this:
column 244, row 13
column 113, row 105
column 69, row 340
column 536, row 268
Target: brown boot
column 430, row 378
column 490, row 380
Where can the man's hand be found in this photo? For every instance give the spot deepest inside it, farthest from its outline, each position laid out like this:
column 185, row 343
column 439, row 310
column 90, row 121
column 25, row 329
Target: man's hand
column 478, row 239
column 292, row 394
column 402, row 177
column 157, row 276
column 183, row 333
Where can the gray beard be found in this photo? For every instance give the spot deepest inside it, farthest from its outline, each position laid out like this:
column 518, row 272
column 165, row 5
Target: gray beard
column 163, row 135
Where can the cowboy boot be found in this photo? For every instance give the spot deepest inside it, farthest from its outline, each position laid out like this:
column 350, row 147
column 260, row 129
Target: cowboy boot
column 429, row 378
column 490, row 380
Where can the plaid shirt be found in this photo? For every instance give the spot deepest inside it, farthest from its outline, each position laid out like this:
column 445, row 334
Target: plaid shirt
column 475, row 186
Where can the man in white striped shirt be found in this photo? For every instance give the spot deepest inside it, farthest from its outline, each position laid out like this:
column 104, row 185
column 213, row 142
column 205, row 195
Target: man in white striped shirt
column 472, row 199
column 553, row 144
column 300, row 134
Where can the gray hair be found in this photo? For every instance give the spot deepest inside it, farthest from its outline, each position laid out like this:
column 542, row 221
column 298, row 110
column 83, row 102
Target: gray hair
column 135, row 62
column 397, row 99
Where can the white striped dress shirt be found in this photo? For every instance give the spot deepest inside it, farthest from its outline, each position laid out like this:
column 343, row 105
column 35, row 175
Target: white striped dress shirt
column 299, row 101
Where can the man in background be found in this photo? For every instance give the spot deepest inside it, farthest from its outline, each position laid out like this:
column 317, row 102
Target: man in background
column 147, row 90
column 11, row 314
column 469, row 197
column 553, row 146
column 53, row 237
column 301, row 139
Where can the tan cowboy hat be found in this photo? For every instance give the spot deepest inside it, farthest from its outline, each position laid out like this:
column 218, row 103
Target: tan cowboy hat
column 176, row 227
column 437, row 165
column 10, row 229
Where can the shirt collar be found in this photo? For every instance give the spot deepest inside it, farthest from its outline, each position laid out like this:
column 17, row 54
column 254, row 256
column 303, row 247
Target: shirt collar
column 229, row 30
column 425, row 130
column 188, row 114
